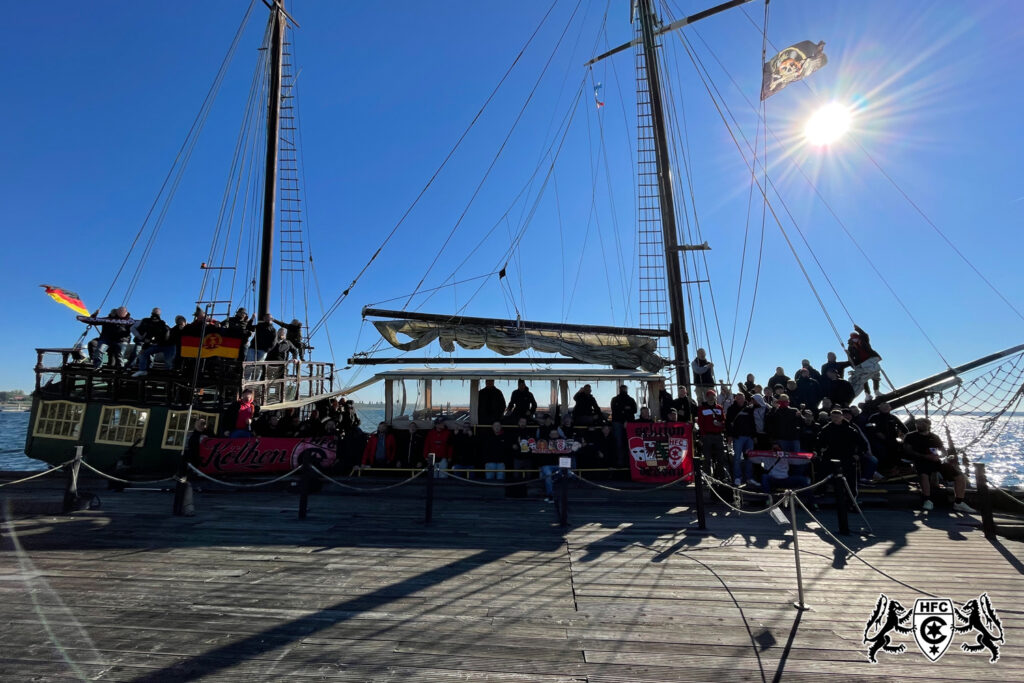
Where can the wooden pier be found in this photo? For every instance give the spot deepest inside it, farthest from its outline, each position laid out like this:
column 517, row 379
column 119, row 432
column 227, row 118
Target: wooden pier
column 492, row 590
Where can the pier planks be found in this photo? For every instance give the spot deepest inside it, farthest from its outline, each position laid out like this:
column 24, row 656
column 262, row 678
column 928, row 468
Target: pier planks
column 492, row 590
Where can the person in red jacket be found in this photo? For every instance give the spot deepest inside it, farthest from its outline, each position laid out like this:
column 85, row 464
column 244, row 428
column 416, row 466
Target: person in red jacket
column 438, row 442
column 711, row 422
column 380, row 447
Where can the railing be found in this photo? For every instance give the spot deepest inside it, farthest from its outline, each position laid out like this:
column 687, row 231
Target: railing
column 62, row 373
column 289, row 381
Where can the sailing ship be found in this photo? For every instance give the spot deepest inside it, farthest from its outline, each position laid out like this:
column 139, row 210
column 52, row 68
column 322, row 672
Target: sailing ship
column 111, row 413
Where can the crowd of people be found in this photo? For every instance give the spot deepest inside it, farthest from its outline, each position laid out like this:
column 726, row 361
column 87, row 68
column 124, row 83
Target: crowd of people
column 813, row 412
column 133, row 344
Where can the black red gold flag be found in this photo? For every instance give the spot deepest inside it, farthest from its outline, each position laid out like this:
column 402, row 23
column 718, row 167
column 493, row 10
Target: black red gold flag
column 69, row 299
column 216, row 342
column 791, row 65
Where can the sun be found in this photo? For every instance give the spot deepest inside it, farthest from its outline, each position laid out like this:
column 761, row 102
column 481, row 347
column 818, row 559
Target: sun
column 828, row 124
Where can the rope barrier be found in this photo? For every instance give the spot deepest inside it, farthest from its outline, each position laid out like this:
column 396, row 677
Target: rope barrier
column 674, row 482
column 734, row 488
column 126, row 481
column 204, row 475
column 868, row 564
column 522, row 482
column 37, row 475
column 853, row 499
column 762, row 511
column 363, row 489
column 1012, row 497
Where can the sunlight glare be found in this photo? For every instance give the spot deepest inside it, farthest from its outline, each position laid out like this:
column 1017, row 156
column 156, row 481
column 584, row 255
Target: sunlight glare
column 828, row 124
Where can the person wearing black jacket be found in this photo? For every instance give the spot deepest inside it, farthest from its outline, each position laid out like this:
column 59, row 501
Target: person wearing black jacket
column 522, row 404
column 740, row 426
column 778, row 379
column 840, row 440
column 282, row 348
column 585, row 411
column 156, row 338
column 490, row 404
column 808, row 391
column 623, row 411
column 294, row 334
column 496, row 449
column 840, row 391
column 886, row 431
column 115, row 335
column 264, row 336
column 685, row 407
column 783, row 425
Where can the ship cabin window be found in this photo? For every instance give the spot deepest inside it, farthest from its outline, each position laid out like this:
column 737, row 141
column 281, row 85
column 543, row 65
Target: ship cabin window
column 59, row 420
column 122, row 425
column 177, row 431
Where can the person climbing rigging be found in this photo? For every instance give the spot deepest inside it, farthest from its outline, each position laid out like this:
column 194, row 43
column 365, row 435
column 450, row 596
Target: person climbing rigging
column 864, row 361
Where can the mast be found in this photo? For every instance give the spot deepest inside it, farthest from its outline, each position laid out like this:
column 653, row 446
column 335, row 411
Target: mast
column 277, row 26
column 677, row 326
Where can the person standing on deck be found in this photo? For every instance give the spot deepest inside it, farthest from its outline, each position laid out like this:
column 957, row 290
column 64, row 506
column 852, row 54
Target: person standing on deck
column 522, row 404
column 703, row 372
column 623, row 411
column 685, row 407
column 238, row 418
column 740, row 424
column 294, row 334
column 264, row 337
column 439, row 443
column 490, row 403
column 865, row 362
column 585, row 410
column 711, row 422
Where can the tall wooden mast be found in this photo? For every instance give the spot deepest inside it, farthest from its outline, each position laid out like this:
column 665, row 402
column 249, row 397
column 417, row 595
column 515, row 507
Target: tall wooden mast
column 674, row 282
column 277, row 26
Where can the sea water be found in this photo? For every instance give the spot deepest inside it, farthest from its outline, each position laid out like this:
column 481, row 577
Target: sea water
column 1002, row 450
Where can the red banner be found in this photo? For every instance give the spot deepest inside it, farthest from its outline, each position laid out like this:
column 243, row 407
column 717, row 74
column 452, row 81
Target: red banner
column 264, row 455
column 660, row 452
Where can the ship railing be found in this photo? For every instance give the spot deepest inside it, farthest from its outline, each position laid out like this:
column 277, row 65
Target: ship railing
column 287, row 381
column 47, row 361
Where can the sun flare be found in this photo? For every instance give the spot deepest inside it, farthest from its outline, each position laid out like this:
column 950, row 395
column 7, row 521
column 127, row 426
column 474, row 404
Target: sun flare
column 828, row 124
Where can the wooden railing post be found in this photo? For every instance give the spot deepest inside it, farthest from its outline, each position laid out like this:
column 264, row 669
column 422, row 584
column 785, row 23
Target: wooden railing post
column 429, row 513
column 71, row 492
column 839, row 486
column 988, row 522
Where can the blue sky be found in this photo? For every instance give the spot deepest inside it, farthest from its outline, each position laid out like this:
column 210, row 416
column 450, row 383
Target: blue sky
column 101, row 96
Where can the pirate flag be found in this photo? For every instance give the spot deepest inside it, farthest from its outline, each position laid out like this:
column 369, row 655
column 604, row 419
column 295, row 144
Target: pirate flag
column 792, row 64
column 69, row 299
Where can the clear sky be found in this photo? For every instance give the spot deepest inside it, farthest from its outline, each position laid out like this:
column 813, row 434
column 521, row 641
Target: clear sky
column 100, row 96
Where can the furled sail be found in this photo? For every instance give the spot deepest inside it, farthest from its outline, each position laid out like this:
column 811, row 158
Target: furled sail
column 617, row 350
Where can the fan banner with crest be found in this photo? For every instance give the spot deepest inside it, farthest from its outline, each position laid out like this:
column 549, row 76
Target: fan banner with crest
column 660, row 452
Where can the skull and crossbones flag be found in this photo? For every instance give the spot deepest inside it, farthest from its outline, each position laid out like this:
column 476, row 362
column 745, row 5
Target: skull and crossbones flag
column 792, row 64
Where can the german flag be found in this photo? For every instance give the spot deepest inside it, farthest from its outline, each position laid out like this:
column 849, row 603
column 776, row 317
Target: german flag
column 217, row 343
column 69, row 299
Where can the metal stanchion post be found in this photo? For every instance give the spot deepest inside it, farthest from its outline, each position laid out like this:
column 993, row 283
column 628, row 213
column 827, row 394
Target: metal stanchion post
column 181, row 484
column 563, row 497
column 842, row 505
column 71, row 493
column 799, row 604
column 305, row 477
column 429, row 514
column 698, row 489
column 988, row 523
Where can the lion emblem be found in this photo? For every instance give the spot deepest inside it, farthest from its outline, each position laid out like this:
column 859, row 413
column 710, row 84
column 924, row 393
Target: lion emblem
column 980, row 616
column 889, row 616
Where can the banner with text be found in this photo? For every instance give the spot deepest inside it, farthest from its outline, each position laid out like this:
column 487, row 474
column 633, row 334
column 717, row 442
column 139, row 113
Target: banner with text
column 660, row 452
column 264, row 455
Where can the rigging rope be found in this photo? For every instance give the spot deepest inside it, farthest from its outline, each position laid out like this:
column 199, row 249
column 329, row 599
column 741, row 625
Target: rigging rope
column 180, row 162
column 458, row 143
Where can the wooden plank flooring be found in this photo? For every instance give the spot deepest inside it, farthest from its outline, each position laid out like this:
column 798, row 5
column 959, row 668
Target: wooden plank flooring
column 492, row 590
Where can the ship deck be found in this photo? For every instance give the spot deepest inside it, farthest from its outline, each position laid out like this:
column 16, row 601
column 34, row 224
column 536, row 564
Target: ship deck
column 492, row 590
